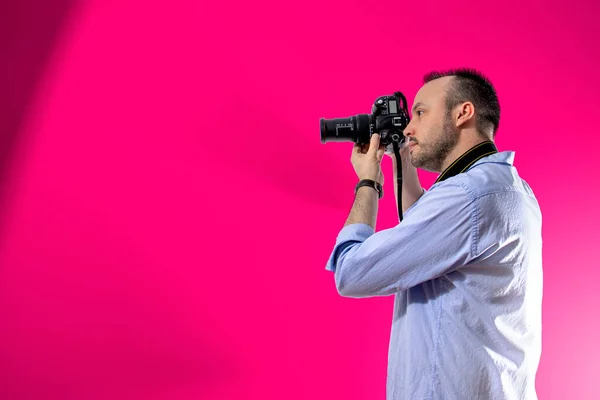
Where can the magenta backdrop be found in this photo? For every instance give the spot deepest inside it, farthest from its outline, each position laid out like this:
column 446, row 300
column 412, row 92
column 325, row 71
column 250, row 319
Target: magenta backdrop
column 168, row 209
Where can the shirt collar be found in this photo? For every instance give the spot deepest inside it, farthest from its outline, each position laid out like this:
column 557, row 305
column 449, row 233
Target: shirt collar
column 502, row 157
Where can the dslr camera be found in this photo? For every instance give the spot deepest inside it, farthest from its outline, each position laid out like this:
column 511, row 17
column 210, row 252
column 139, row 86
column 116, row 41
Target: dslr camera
column 389, row 117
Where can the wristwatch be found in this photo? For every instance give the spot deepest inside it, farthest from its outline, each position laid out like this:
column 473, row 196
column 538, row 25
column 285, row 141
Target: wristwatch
column 371, row 183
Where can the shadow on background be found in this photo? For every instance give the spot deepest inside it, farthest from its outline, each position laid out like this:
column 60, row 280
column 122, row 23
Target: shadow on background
column 28, row 32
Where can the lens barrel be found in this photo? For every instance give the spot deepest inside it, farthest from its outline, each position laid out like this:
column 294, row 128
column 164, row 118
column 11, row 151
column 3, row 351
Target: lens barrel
column 355, row 129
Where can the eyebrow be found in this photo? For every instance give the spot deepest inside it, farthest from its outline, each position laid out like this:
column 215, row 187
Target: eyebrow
column 416, row 105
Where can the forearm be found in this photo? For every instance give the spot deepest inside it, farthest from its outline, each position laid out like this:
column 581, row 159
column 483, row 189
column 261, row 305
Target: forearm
column 411, row 186
column 364, row 208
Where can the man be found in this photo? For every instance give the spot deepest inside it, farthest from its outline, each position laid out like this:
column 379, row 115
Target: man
column 464, row 264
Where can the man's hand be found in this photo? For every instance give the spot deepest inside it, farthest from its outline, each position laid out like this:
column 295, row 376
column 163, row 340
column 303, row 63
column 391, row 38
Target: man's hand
column 366, row 159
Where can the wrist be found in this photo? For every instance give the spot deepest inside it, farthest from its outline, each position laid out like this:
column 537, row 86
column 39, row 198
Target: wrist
column 407, row 163
column 370, row 184
column 370, row 178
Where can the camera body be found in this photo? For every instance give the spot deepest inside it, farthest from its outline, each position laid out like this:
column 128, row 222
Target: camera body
column 389, row 117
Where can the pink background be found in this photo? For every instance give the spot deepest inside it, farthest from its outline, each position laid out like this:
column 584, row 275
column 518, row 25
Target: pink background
column 167, row 207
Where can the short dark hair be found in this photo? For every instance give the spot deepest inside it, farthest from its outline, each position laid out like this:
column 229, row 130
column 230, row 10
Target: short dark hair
column 471, row 85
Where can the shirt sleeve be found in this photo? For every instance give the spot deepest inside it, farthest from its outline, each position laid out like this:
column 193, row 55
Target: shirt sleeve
column 437, row 235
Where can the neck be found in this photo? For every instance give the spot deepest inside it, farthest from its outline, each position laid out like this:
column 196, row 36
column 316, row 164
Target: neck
column 462, row 148
column 467, row 157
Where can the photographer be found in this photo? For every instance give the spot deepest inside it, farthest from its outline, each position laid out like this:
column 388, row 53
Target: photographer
column 465, row 262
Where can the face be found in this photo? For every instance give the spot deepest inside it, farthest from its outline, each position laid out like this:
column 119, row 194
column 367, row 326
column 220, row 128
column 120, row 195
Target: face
column 431, row 133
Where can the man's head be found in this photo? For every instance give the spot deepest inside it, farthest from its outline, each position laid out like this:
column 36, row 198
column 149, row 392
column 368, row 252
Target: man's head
column 452, row 111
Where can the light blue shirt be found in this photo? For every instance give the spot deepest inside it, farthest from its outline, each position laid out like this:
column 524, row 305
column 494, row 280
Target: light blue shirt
column 465, row 268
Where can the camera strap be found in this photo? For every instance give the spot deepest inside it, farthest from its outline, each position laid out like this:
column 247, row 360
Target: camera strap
column 466, row 160
column 399, row 178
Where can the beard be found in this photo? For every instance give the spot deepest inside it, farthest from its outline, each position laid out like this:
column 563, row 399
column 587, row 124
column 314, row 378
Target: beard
column 431, row 156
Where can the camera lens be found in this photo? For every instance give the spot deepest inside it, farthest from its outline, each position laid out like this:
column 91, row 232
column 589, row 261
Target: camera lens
column 337, row 130
column 353, row 129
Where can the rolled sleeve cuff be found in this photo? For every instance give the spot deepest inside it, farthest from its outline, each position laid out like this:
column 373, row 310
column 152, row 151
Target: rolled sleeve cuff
column 349, row 236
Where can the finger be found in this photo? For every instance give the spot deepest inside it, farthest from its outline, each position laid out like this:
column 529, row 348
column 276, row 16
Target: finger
column 374, row 145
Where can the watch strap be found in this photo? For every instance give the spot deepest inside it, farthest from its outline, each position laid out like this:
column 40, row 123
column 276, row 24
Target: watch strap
column 371, row 183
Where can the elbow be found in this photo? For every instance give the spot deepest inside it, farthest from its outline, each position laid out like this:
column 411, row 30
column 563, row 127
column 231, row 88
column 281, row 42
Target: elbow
column 349, row 285
column 349, row 292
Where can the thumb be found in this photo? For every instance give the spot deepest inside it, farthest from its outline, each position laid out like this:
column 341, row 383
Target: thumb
column 374, row 145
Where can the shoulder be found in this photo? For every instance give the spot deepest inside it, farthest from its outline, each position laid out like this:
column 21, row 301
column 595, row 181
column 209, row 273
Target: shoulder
column 497, row 192
column 495, row 174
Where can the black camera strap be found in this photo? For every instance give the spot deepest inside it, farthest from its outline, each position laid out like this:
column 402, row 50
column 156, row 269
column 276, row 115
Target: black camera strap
column 398, row 177
column 460, row 165
column 469, row 158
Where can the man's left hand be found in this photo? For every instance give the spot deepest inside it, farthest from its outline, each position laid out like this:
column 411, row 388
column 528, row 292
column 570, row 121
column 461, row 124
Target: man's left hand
column 366, row 159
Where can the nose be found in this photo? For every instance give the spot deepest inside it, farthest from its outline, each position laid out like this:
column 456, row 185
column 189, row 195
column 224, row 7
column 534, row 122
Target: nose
column 409, row 130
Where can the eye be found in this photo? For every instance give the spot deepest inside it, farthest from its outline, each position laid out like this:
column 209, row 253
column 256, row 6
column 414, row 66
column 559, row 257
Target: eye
column 419, row 112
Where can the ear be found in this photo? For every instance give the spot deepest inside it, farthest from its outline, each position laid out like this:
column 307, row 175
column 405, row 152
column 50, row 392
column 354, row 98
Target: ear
column 464, row 114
